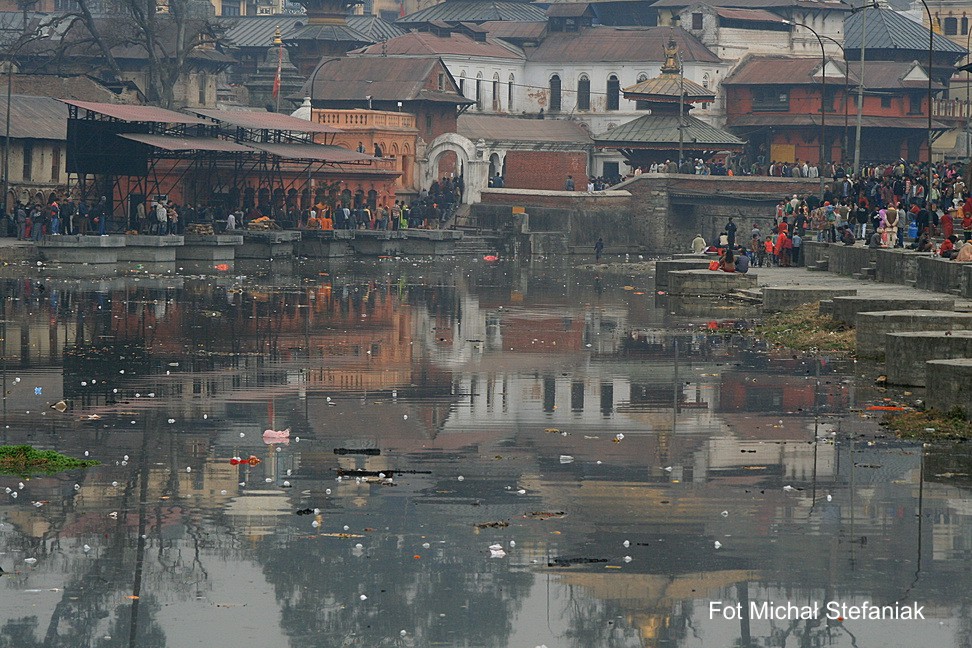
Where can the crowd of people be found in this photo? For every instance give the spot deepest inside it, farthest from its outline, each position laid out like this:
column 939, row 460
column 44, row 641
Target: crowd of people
column 888, row 205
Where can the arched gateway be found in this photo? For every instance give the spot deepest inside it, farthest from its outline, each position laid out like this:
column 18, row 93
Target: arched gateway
column 470, row 162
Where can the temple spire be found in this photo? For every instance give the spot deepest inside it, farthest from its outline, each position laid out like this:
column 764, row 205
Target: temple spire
column 671, row 66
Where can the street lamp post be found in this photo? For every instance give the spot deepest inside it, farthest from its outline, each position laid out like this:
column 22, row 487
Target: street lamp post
column 823, row 97
column 931, row 46
column 860, row 85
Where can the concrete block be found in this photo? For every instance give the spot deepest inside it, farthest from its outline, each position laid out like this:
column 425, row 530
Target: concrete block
column 896, row 266
column 148, row 249
column 92, row 250
column 708, row 282
column 873, row 326
column 320, row 244
column 680, row 262
column 845, row 309
column 948, row 384
column 215, row 249
column 781, row 298
column 967, row 281
column 907, row 353
column 939, row 275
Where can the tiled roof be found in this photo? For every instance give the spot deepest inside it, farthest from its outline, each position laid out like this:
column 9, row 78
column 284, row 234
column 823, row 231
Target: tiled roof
column 429, row 44
column 381, row 78
column 663, row 130
column 35, row 117
column 337, row 33
column 797, row 70
column 618, row 44
column 569, row 10
column 455, row 11
column 748, row 15
column 514, row 129
column 514, row 30
column 833, row 5
column 887, row 29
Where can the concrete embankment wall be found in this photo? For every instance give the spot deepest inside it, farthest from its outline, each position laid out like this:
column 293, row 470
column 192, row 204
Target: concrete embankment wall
column 651, row 213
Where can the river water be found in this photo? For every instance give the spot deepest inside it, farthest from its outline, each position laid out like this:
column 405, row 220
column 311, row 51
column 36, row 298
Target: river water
column 641, row 474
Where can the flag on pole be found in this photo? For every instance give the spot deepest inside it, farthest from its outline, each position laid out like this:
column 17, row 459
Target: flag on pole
column 276, row 79
column 401, row 9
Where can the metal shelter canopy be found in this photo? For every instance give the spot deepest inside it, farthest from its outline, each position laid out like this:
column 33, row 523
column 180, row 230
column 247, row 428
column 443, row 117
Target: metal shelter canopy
column 313, row 153
column 138, row 114
column 264, row 120
column 181, row 144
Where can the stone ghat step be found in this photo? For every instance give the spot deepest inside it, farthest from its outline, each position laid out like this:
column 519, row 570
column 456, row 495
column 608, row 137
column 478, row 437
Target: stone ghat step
column 665, row 266
column 948, row 384
column 781, row 298
column 708, row 282
column 907, row 353
column 845, row 308
column 872, row 327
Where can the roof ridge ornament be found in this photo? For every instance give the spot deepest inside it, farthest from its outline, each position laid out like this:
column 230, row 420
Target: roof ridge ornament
column 671, row 66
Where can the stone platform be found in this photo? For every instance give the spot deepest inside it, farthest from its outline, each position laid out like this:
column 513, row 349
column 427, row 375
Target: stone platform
column 948, row 384
column 325, row 244
column 146, row 248
column 268, row 244
column 683, row 262
column 845, row 309
column 705, row 283
column 872, row 326
column 76, row 249
column 201, row 252
column 781, row 298
column 411, row 242
column 906, row 354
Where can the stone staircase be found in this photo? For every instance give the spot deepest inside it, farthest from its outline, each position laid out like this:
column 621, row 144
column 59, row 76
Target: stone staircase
column 867, row 273
column 819, row 266
column 473, row 245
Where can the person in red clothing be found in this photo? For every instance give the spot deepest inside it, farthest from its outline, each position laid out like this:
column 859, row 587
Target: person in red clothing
column 783, row 247
column 947, row 222
column 947, row 249
column 967, row 224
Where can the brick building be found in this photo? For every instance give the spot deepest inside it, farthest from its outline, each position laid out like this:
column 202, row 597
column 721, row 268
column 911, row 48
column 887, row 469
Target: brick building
column 531, row 153
column 775, row 103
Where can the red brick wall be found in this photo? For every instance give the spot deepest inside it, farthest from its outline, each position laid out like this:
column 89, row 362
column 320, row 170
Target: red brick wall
column 545, row 170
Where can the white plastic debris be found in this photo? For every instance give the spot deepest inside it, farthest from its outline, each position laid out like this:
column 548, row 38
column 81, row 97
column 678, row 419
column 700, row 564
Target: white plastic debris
column 626, row 543
column 113, row 515
column 188, row 469
column 788, row 488
column 114, row 484
column 347, row 528
column 668, row 468
column 268, row 479
column 830, row 497
column 619, row 437
column 359, row 546
column 496, row 551
column 522, row 491
column 30, row 561
column 717, row 544
column 286, row 484
column 724, row 514
column 171, row 420
column 566, row 459
column 86, row 548
column 512, row 543
column 315, row 524
column 405, row 417
column 461, row 478
column 363, row 597
column 242, row 434
column 627, row 559
column 327, row 491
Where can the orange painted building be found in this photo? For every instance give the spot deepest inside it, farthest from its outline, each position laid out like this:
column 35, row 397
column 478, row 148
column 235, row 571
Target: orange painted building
column 774, row 102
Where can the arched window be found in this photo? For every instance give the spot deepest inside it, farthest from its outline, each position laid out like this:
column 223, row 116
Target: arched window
column 509, row 95
column 497, row 104
column 462, row 83
column 613, row 93
column 951, row 26
column 965, row 25
column 583, row 93
column 479, row 91
column 641, row 105
column 555, row 93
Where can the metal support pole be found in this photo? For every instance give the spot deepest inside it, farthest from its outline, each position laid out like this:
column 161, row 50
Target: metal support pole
column 931, row 45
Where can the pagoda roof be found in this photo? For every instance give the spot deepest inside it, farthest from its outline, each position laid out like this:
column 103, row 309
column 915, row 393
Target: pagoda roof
column 668, row 87
column 661, row 131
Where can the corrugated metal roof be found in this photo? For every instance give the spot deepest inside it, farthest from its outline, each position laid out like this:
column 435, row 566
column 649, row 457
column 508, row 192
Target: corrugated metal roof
column 668, row 85
column 381, row 78
column 570, row 10
column 513, row 129
column 456, row 11
column 170, row 143
column 798, row 70
column 888, row 29
column 920, row 123
column 339, row 33
column 515, row 29
column 655, row 130
column 618, row 44
column 832, row 5
column 35, row 117
column 312, row 152
column 748, row 15
column 429, row 44
column 149, row 114
column 258, row 31
column 265, row 120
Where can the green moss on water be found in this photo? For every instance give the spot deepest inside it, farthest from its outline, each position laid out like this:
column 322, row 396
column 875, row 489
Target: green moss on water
column 803, row 328
column 25, row 460
column 930, row 425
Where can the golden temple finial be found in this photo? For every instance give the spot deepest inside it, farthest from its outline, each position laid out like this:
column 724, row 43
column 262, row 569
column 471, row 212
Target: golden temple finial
column 671, row 66
column 276, row 37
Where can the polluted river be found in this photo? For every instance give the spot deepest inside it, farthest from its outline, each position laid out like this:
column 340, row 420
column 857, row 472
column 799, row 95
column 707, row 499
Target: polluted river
column 455, row 453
